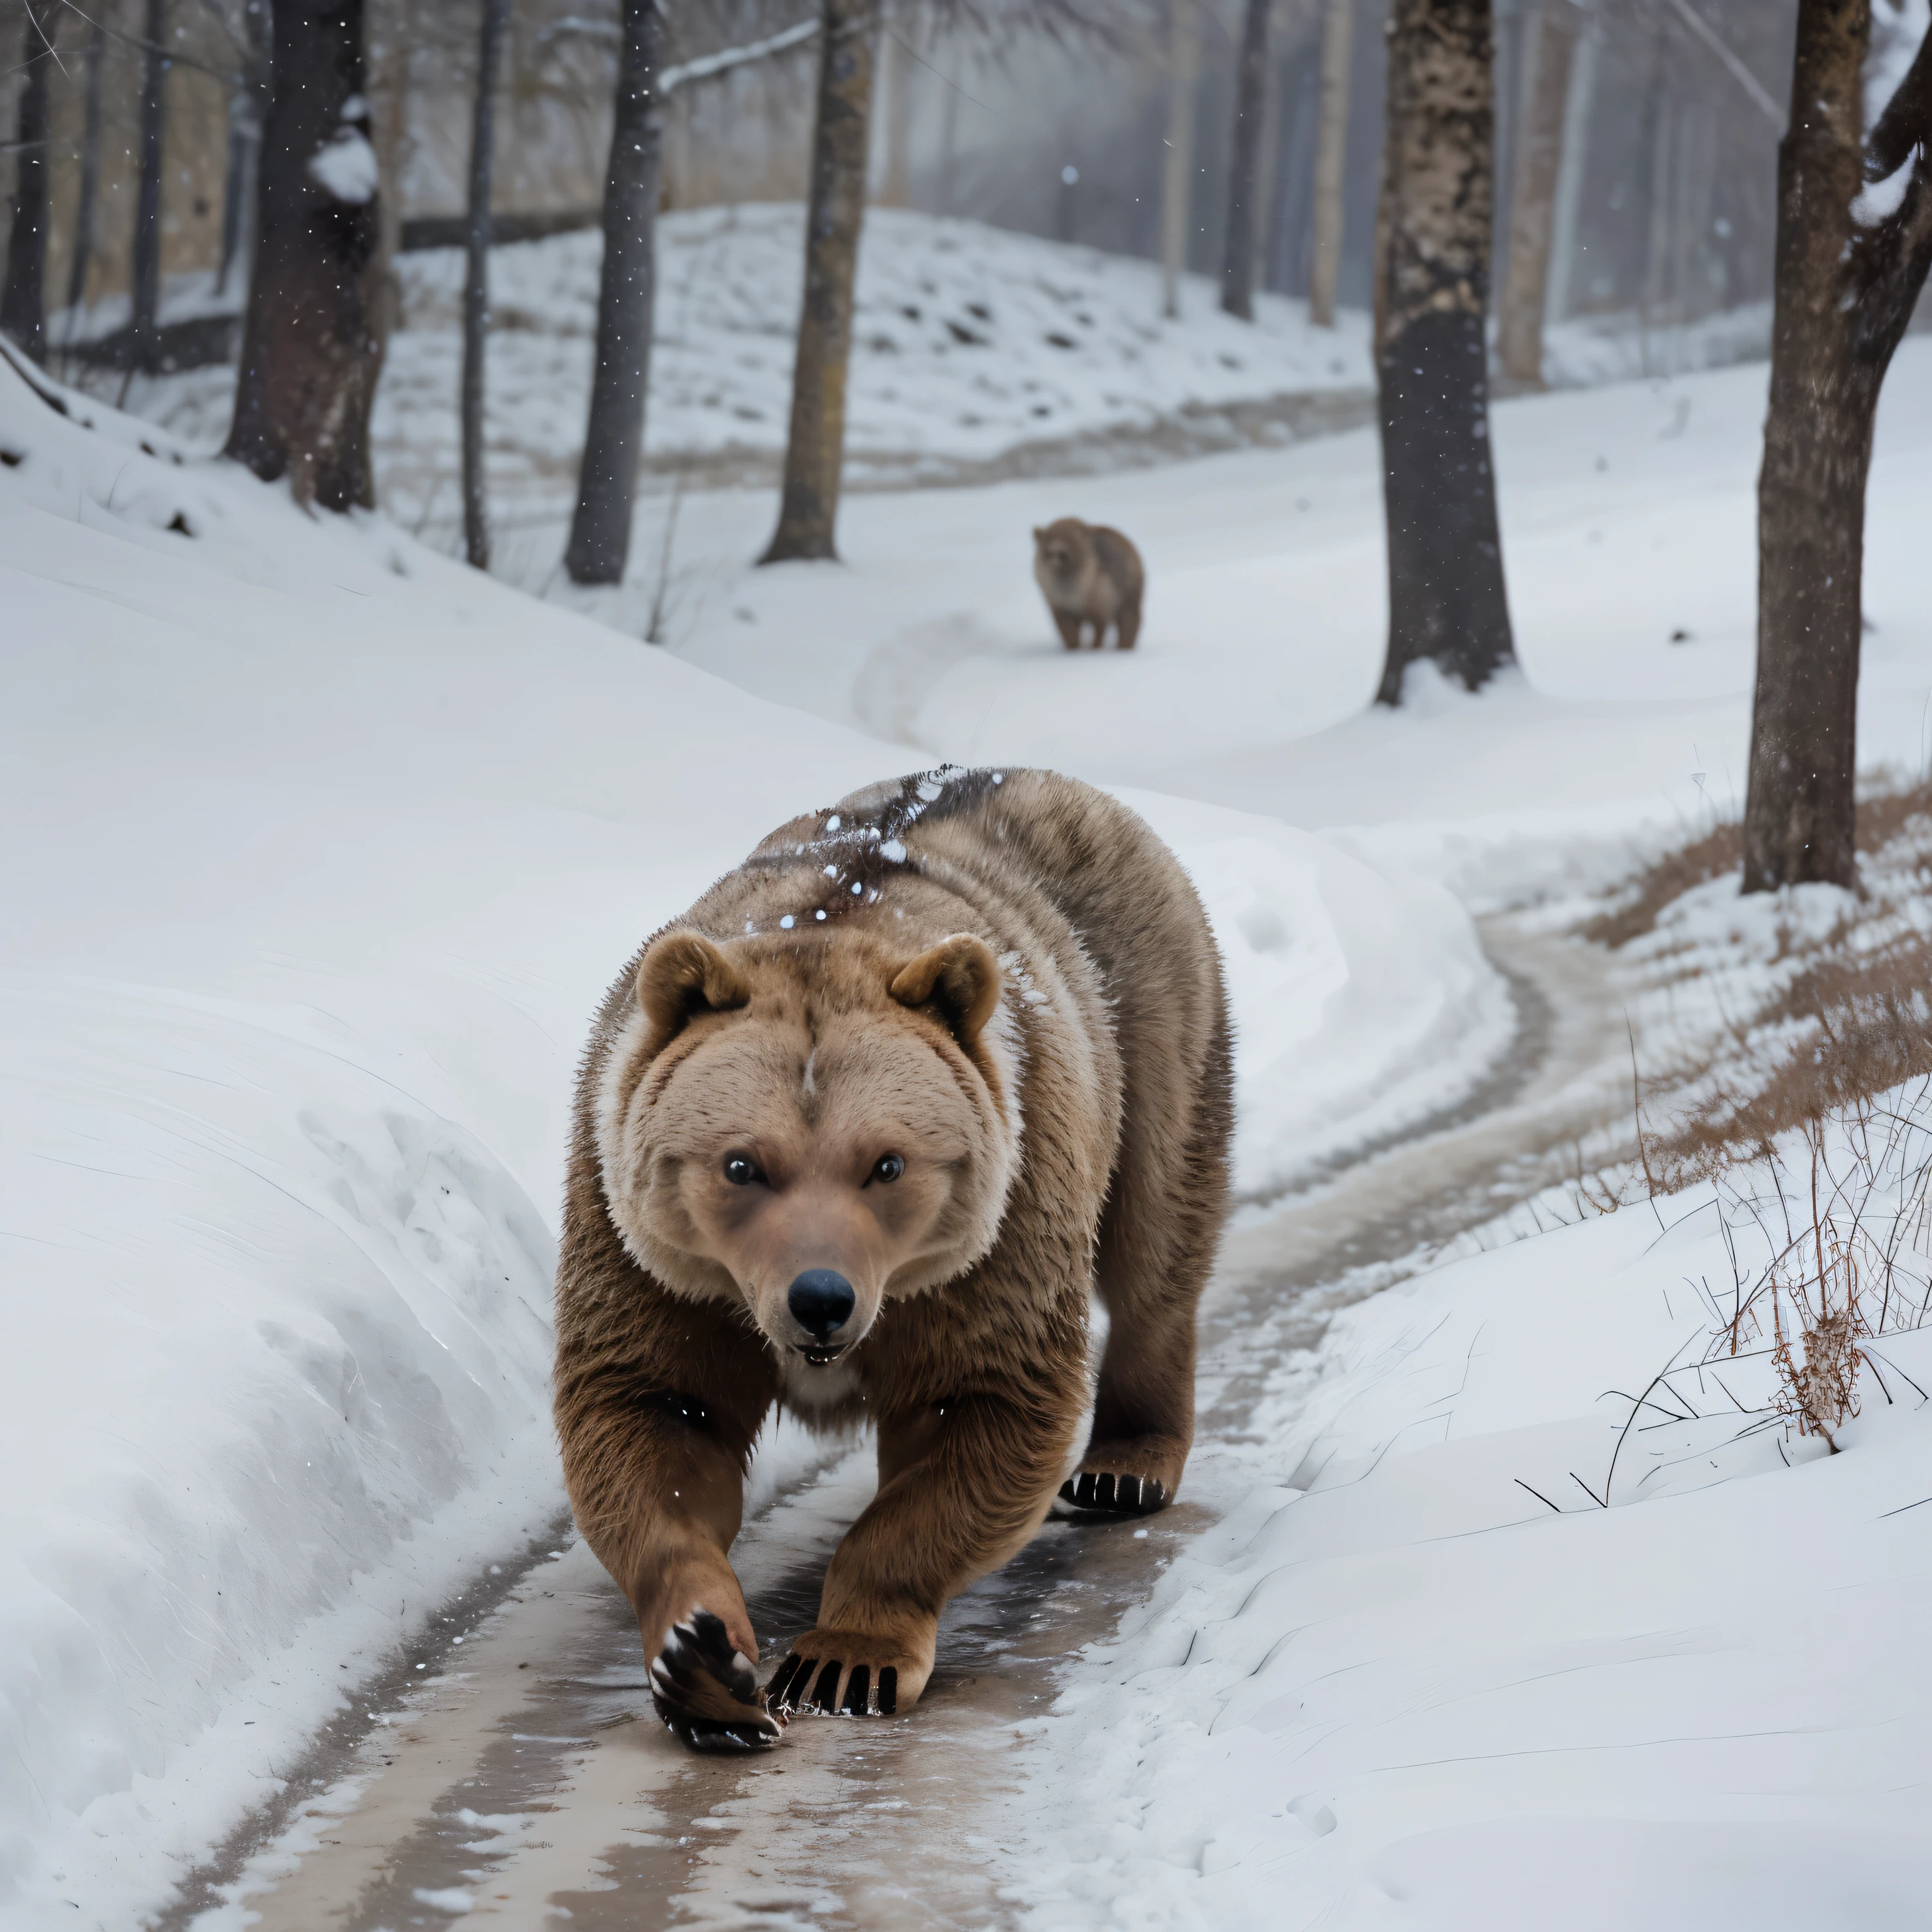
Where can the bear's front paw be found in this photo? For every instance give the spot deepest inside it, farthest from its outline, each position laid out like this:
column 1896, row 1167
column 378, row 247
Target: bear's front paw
column 848, row 1673
column 706, row 1691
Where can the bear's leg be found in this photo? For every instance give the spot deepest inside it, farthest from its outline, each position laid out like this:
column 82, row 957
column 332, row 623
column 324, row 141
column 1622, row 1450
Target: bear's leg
column 656, row 1482
column 1127, row 625
column 1067, row 623
column 1158, row 1238
column 962, row 1486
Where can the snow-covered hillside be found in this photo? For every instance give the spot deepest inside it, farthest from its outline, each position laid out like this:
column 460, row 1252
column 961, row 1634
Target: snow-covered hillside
column 974, row 350
column 318, row 850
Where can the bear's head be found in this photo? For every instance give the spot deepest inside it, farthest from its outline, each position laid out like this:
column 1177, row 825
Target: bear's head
column 811, row 1128
column 1062, row 550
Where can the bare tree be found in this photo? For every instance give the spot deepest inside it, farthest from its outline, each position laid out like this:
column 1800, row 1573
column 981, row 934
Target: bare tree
column 1251, row 89
column 308, row 360
column 1331, row 149
column 144, row 341
column 476, row 279
column 248, row 103
column 23, row 312
column 88, row 189
column 1177, row 180
column 1549, row 44
column 1446, row 597
column 835, row 208
column 1854, row 241
column 600, row 532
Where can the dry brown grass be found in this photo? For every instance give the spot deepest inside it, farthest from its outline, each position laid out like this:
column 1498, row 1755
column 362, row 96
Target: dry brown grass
column 1881, row 817
column 1866, row 1027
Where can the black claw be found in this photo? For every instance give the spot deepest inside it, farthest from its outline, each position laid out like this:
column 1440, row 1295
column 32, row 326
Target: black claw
column 889, row 1691
column 1084, row 1488
column 709, row 1734
column 1103, row 1492
column 781, row 1682
column 1066, row 1490
column 1127, row 1492
column 855, row 1691
column 1155, row 1495
column 825, row 1692
column 797, row 1692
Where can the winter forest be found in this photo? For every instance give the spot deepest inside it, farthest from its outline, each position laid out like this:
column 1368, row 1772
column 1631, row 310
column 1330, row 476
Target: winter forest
column 1456, row 472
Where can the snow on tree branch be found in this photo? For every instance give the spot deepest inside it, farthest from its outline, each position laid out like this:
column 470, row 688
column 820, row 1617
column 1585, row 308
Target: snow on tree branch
column 1732, row 64
column 707, row 67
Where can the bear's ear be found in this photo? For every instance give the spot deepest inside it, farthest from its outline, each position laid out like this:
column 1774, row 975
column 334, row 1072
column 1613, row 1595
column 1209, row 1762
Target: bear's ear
column 684, row 974
column 1038, row 532
column 960, row 978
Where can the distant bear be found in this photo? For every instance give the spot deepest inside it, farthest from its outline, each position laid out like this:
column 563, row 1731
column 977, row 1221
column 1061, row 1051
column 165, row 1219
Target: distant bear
column 1090, row 575
column 858, row 1134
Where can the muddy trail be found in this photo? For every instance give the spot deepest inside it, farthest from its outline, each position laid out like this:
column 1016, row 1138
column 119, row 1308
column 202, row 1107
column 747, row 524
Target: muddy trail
column 521, row 1779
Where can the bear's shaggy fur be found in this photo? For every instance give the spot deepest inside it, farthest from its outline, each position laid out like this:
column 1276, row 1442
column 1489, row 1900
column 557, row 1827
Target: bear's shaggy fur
column 960, row 1044
column 1091, row 575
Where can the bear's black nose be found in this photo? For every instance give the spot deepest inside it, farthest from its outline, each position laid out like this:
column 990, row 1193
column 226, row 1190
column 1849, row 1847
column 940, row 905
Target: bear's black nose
column 820, row 1300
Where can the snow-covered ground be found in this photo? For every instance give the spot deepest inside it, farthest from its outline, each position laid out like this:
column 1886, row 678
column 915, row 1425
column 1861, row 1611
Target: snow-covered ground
column 1527, row 1608
column 319, row 851
column 974, row 349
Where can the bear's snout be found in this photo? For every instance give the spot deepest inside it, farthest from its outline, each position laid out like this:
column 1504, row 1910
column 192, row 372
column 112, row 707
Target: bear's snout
column 821, row 1301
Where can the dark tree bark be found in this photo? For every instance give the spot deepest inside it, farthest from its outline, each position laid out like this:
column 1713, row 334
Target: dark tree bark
column 815, row 454
column 600, row 532
column 23, row 308
column 308, row 361
column 1550, row 43
column 144, row 340
column 88, row 195
column 1446, row 597
column 476, row 281
column 1847, row 279
column 1251, row 79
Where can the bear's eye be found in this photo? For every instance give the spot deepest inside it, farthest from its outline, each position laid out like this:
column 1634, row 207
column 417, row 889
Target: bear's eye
column 741, row 1170
column 890, row 1168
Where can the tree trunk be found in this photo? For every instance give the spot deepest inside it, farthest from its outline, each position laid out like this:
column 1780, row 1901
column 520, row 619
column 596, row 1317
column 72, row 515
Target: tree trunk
column 895, row 76
column 1331, row 150
column 144, row 339
column 308, row 361
column 815, row 454
column 600, row 532
column 1251, row 81
column 1177, row 180
column 247, row 106
column 1549, row 44
column 1845, row 289
column 23, row 308
column 476, row 281
column 87, row 197
column 1571, row 172
column 391, row 38
column 1446, row 597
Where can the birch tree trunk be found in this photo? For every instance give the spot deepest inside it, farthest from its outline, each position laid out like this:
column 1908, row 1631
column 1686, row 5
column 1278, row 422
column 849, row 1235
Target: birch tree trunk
column 1551, row 43
column 836, row 208
column 23, row 307
column 600, row 532
column 1446, row 596
column 308, row 355
column 476, row 279
column 1331, row 149
column 1251, row 87
column 144, row 339
column 1847, row 278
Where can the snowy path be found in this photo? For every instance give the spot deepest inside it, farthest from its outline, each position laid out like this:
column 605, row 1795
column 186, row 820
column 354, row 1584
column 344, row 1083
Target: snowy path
column 527, row 1774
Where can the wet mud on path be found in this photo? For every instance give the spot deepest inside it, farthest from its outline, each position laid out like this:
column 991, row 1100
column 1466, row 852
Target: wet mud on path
column 525, row 1783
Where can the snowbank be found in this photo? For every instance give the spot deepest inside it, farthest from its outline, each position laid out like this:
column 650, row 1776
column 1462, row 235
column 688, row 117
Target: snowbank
column 319, row 850
column 1363, row 1002
column 1473, row 1649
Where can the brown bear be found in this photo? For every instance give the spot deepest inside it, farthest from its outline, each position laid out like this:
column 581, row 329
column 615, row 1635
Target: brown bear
column 1091, row 575
column 858, row 1134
